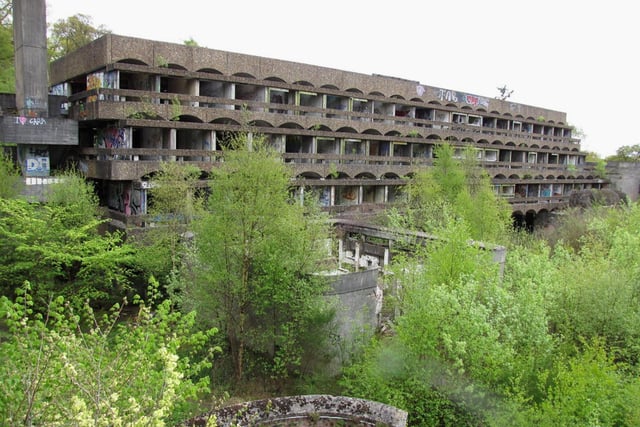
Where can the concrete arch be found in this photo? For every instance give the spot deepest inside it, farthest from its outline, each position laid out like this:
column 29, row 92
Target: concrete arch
column 261, row 123
column 365, row 175
column 303, row 83
column 514, row 176
column 434, row 103
column 354, row 90
column 499, row 176
column 244, row 75
column 174, row 66
column 390, row 175
column 140, row 114
column 376, row 93
column 346, row 129
column 209, row 71
column 337, row 176
column 317, row 127
column 330, row 87
column 371, row 132
column 309, row 175
column 189, row 118
column 225, row 121
column 417, row 100
column 133, row 61
column 396, row 96
column 290, row 125
column 274, row 79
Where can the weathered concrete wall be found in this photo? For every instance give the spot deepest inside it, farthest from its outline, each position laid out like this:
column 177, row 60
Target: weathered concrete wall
column 625, row 177
column 311, row 410
column 355, row 294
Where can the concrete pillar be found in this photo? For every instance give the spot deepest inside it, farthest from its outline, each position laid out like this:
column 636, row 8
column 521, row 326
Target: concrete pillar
column 173, row 138
column 360, row 194
column 193, row 86
column 332, row 202
column 30, row 41
column 340, row 252
column 357, row 256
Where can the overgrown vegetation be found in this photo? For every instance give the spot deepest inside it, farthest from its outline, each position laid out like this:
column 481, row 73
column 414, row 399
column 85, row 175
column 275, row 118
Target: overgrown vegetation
column 552, row 340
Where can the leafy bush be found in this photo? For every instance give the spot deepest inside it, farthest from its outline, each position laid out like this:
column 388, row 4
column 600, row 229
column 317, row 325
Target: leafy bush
column 68, row 368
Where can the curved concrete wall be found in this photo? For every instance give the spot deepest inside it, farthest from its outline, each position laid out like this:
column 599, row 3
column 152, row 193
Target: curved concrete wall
column 310, row 410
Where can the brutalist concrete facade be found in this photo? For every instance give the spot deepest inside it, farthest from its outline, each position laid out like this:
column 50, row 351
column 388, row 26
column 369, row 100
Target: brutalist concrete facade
column 350, row 137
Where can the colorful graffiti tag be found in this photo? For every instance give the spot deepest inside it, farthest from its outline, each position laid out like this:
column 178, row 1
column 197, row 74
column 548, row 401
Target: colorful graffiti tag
column 453, row 96
column 112, row 138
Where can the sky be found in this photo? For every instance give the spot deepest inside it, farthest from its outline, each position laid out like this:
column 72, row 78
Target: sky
column 578, row 57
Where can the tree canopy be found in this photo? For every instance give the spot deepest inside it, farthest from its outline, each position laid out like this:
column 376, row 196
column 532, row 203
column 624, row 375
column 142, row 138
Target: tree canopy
column 626, row 153
column 257, row 252
column 69, row 34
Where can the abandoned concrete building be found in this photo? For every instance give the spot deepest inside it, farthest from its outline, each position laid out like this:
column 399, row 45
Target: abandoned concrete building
column 351, row 137
column 126, row 104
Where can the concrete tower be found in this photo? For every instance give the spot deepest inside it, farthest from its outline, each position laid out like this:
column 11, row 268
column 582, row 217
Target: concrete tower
column 30, row 38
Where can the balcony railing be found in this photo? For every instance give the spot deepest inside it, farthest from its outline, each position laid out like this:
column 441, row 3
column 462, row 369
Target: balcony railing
column 157, row 102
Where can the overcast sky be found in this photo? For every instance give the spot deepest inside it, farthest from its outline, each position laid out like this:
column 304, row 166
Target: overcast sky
column 580, row 57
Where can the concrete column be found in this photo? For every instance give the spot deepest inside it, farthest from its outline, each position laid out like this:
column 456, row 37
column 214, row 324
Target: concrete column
column 30, row 53
column 360, row 194
column 173, row 139
column 340, row 252
column 332, row 202
column 357, row 256
column 193, row 86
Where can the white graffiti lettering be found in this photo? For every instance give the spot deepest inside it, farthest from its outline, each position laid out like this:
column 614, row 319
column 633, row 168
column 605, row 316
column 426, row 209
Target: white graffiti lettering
column 34, row 121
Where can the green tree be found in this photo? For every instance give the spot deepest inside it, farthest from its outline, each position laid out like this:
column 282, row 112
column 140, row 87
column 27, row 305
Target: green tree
column 455, row 188
column 174, row 202
column 10, row 178
column 7, row 59
column 626, row 153
column 71, row 34
column 59, row 247
column 68, row 367
column 258, row 251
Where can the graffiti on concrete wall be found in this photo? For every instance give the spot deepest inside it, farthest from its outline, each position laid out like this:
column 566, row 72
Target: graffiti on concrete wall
column 453, row 96
column 126, row 199
column 36, row 160
column 112, row 138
